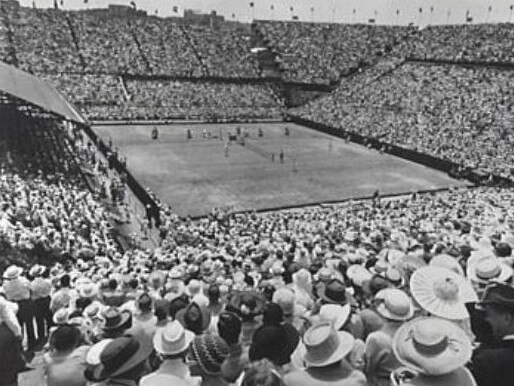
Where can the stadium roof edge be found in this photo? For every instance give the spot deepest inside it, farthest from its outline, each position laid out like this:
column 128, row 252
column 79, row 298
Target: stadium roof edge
column 33, row 90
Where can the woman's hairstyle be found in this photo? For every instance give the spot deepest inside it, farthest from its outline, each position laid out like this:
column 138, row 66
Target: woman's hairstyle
column 261, row 373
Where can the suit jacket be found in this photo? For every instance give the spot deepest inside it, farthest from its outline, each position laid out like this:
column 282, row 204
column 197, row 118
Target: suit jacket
column 493, row 365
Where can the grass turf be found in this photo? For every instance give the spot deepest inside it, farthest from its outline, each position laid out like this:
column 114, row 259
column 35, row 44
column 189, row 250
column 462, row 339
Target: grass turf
column 195, row 175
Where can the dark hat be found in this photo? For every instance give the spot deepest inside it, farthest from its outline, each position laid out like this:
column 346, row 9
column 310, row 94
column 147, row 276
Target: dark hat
column 194, row 318
column 503, row 249
column 499, row 294
column 272, row 314
column 247, row 304
column 178, row 304
column 209, row 351
column 121, row 355
column 116, row 320
column 274, row 342
column 334, row 292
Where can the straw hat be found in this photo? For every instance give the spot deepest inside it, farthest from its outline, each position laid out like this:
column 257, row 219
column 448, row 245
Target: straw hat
column 12, row 272
column 323, row 346
column 87, row 289
column 358, row 274
column 172, row 339
column 36, row 270
column 447, row 261
column 336, row 314
column 442, row 292
column 486, row 269
column 432, row 346
column 394, row 304
column 61, row 316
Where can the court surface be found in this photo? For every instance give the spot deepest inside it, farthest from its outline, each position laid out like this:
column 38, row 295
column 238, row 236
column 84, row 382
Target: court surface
column 195, row 175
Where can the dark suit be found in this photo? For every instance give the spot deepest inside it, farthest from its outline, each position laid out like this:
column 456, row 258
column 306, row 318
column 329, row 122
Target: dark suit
column 493, row 365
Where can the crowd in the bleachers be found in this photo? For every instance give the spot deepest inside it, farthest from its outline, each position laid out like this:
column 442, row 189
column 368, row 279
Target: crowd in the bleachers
column 294, row 297
column 319, row 53
column 460, row 114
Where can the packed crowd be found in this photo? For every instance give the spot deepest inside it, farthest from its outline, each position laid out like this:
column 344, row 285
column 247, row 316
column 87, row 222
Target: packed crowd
column 204, row 100
column 320, row 53
column 491, row 43
column 382, row 292
column 459, row 114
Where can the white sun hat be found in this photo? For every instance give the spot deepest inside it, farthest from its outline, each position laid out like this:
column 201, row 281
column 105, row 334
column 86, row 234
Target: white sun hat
column 442, row 292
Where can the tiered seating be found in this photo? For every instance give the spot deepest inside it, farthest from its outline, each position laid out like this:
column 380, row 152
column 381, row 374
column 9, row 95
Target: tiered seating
column 224, row 52
column 319, row 53
column 460, row 114
column 477, row 42
column 43, row 42
column 107, row 44
column 181, row 99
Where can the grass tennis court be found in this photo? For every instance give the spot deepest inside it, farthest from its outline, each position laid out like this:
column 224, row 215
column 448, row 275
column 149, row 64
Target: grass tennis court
column 195, row 175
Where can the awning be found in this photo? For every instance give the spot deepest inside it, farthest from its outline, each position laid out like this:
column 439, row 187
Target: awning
column 27, row 87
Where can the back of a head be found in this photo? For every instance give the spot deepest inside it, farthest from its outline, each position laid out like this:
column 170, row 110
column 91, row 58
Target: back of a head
column 113, row 284
column 229, row 327
column 145, row 303
column 261, row 373
column 65, row 280
column 213, row 293
column 65, row 337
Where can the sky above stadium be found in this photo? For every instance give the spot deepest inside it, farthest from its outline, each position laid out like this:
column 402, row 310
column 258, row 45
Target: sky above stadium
column 419, row 12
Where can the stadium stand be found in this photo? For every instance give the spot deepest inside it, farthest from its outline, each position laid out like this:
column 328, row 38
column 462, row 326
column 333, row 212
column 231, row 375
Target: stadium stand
column 244, row 295
column 452, row 112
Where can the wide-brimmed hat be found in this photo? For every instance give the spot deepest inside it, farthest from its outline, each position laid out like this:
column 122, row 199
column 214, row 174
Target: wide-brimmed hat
column 119, row 356
column 323, row 346
column 487, row 269
column 442, row 292
column 12, row 272
column 499, row 294
column 432, row 346
column 336, row 314
column 274, row 342
column 358, row 274
column 93, row 354
column 333, row 292
column 394, row 304
column 194, row 318
column 172, row 339
column 116, row 319
column 447, row 261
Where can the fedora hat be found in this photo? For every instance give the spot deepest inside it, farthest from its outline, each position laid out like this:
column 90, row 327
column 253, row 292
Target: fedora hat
column 432, row 346
column 394, row 304
column 172, row 339
column 274, row 342
column 114, row 319
column 486, row 269
column 323, row 346
column 336, row 314
column 119, row 356
column 333, row 292
column 194, row 318
column 247, row 304
column 497, row 293
column 442, row 292
column 12, row 272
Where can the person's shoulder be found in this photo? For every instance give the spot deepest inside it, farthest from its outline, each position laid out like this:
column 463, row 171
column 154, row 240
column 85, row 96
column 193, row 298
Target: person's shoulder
column 157, row 378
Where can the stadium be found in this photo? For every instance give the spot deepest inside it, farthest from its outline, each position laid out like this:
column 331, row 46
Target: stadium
column 194, row 200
